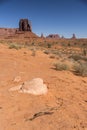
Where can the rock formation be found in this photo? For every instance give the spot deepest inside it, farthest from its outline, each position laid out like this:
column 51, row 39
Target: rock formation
column 24, row 25
column 53, row 36
column 74, row 36
column 35, row 86
column 8, row 31
column 42, row 36
column 24, row 30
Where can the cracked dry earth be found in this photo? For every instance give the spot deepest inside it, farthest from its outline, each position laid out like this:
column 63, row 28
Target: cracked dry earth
column 64, row 107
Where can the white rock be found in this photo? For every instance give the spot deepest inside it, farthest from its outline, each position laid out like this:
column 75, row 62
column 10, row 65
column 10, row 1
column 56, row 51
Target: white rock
column 35, row 87
column 17, row 79
column 15, row 88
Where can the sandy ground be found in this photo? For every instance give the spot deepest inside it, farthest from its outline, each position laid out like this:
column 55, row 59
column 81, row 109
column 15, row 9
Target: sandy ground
column 64, row 107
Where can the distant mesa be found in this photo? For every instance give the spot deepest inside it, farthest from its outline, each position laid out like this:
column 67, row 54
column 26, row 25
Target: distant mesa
column 25, row 25
column 56, row 36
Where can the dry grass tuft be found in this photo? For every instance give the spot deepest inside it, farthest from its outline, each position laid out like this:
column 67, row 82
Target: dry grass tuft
column 14, row 46
column 61, row 66
column 80, row 69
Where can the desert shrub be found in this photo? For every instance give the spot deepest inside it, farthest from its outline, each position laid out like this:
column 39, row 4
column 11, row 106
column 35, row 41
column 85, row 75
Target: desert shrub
column 75, row 43
column 56, row 52
column 69, row 44
column 80, row 68
column 26, row 44
column 61, row 66
column 49, row 45
column 84, row 52
column 1, row 42
column 32, row 43
column 47, row 52
column 52, row 56
column 75, row 57
column 14, row 46
column 33, row 53
column 78, row 57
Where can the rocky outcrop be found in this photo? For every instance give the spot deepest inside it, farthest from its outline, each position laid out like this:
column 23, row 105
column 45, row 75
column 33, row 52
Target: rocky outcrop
column 53, row 36
column 42, row 36
column 74, row 36
column 25, row 25
column 35, row 86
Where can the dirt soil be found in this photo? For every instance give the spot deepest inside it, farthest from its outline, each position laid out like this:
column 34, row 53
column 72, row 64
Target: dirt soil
column 64, row 107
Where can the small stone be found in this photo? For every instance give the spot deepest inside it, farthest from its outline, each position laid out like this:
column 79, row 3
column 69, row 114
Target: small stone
column 17, row 79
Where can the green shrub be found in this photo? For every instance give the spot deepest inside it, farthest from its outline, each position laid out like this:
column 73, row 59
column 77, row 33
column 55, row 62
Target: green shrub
column 76, row 57
column 61, row 66
column 14, row 46
column 80, row 69
column 49, row 45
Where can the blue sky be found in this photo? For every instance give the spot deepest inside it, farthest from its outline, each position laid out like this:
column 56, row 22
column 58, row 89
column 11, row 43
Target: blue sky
column 63, row 17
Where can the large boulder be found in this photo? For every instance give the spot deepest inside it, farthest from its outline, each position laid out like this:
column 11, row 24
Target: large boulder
column 34, row 86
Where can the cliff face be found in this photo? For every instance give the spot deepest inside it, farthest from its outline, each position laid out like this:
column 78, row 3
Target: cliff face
column 15, row 33
column 8, row 31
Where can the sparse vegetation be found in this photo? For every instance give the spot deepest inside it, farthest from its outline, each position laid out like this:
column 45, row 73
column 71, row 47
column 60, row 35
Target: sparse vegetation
column 49, row 45
column 14, row 46
column 84, row 52
column 78, row 57
column 33, row 53
column 33, row 44
column 52, row 56
column 61, row 66
column 65, row 76
column 80, row 69
column 72, row 50
column 47, row 52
